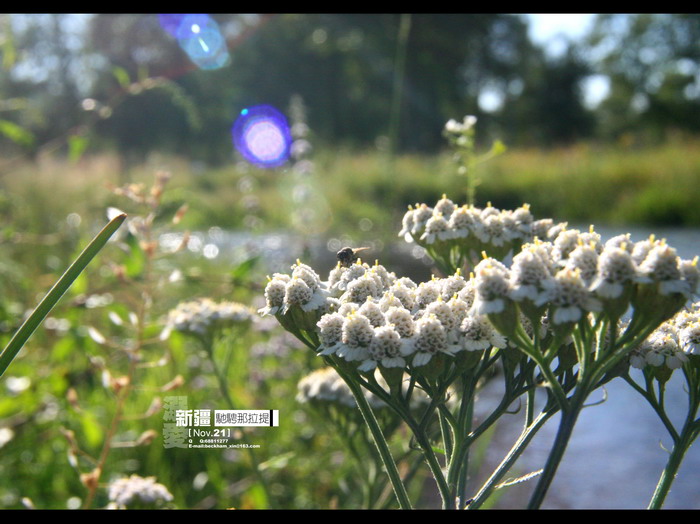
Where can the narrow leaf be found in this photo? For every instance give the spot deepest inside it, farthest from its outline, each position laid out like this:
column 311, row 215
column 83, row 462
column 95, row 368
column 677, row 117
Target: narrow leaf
column 56, row 292
column 122, row 76
column 16, row 133
column 76, row 147
column 524, row 478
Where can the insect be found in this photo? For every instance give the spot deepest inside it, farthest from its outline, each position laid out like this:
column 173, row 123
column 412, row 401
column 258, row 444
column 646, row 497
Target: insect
column 348, row 255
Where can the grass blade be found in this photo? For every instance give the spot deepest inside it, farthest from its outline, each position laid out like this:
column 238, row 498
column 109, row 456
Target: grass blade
column 57, row 291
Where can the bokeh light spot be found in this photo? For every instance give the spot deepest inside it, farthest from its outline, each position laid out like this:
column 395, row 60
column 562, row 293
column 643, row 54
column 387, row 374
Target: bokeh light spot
column 261, row 134
column 199, row 36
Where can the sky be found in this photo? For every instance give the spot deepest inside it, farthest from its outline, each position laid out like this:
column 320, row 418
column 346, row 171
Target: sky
column 544, row 28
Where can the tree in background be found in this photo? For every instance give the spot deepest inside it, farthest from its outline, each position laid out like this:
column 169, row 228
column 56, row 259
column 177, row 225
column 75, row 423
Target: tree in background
column 653, row 62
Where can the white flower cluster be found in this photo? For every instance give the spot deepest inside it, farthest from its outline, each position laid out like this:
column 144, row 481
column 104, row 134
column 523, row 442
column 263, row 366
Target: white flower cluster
column 128, row 490
column 302, row 288
column 203, row 316
column 458, row 128
column 325, row 386
column 471, row 229
column 305, row 289
column 408, row 323
column 576, row 273
column 672, row 343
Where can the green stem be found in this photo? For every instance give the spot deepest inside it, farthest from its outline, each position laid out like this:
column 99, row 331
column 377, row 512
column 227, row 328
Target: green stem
column 681, row 443
column 379, row 440
column 223, row 388
column 523, row 440
column 658, row 408
column 668, row 475
column 566, row 428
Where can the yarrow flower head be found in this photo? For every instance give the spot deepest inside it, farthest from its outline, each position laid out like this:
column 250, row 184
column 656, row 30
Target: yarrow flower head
column 127, row 491
column 204, row 317
column 569, row 297
column 492, row 287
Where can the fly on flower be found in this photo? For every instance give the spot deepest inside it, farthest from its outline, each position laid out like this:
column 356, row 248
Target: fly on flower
column 348, row 256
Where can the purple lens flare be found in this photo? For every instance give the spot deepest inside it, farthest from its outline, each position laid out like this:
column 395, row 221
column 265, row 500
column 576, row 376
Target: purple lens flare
column 261, row 134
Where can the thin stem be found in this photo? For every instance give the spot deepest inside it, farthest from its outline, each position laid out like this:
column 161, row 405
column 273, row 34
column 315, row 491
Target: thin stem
column 523, row 440
column 107, row 446
column 566, row 427
column 651, row 399
column 681, row 444
column 379, row 440
column 668, row 475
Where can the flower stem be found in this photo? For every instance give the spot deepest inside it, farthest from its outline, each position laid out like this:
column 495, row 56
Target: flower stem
column 523, row 440
column 379, row 440
column 668, row 475
column 566, row 427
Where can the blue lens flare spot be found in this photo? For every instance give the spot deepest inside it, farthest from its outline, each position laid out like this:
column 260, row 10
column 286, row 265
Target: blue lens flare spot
column 199, row 36
column 171, row 23
column 261, row 134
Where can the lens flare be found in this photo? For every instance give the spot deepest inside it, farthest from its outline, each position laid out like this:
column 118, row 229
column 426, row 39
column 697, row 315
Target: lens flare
column 199, row 36
column 261, row 134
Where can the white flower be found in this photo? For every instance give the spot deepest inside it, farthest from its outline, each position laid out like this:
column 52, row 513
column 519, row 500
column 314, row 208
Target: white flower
column 540, row 228
column 527, row 275
column 430, row 339
column 204, row 316
column 569, row 297
column 401, row 319
column 615, row 268
column 407, row 226
column 325, row 385
column 689, row 338
column 585, row 258
column 274, row 296
column 330, row 332
column 125, row 491
column 307, row 274
column 421, row 214
column 384, row 348
column 662, row 265
column 436, row 229
column 492, row 230
column 479, row 334
column 404, row 293
column 445, row 207
column 426, row 293
column 372, row 311
column 296, row 293
column 564, row 243
column 443, row 312
column 492, row 287
column 357, row 336
column 462, row 222
column 361, row 288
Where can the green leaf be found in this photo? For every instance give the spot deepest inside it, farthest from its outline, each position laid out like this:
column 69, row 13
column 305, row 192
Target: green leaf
column 241, row 271
column 91, row 429
column 256, row 497
column 16, row 133
column 277, row 462
column 56, row 292
column 136, row 262
column 76, row 147
column 122, row 76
